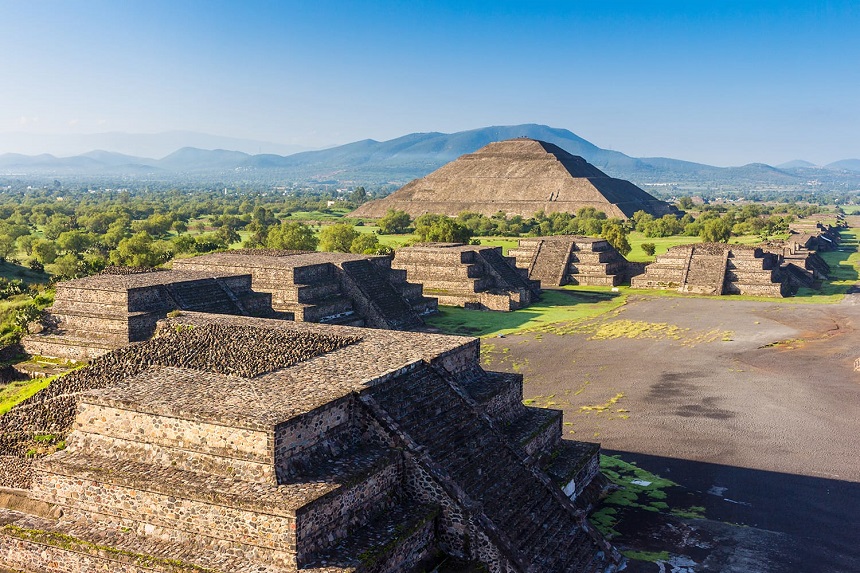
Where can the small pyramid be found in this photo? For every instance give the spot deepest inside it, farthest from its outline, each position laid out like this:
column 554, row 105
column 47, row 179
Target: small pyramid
column 519, row 177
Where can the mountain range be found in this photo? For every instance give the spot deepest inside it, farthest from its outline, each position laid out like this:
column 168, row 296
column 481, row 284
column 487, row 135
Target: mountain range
column 400, row 160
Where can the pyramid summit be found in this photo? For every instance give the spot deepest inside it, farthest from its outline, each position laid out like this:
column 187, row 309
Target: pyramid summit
column 519, row 177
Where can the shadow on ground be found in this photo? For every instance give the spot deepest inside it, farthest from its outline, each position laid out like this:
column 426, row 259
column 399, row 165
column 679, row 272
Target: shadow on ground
column 753, row 520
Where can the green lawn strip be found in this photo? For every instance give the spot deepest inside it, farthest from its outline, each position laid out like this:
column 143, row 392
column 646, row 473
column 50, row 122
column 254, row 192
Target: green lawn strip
column 652, row 556
column 554, row 307
column 639, row 489
column 16, row 392
column 506, row 243
column 26, row 275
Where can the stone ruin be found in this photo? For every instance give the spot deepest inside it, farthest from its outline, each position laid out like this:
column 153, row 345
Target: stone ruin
column 334, row 288
column 468, row 275
column 94, row 315
column 238, row 444
column 570, row 259
column 716, row 268
column 812, row 236
column 518, row 177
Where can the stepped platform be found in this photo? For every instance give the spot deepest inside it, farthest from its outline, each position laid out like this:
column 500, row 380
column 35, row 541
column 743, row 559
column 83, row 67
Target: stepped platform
column 93, row 315
column 470, row 276
column 246, row 444
column 571, row 259
column 335, row 288
column 716, row 269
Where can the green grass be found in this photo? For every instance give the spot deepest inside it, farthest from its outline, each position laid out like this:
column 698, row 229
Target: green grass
column 554, row 306
column 505, row 243
column 335, row 214
column 652, row 556
column 19, row 272
column 16, row 392
column 638, row 489
column 662, row 244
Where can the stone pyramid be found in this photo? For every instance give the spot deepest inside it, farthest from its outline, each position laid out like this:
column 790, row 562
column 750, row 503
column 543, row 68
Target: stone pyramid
column 519, row 177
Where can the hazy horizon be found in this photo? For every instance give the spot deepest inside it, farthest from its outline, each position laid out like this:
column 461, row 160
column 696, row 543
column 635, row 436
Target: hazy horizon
column 724, row 83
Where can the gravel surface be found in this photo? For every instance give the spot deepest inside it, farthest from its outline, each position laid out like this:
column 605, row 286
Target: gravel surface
column 754, row 402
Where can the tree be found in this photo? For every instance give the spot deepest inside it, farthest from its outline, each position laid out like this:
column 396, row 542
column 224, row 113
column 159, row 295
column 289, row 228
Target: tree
column 685, row 203
column 394, row 222
column 7, row 247
column 227, row 234
column 615, row 232
column 365, row 244
column 716, row 231
column 359, row 195
column 75, row 242
column 45, row 251
column 440, row 228
column 292, row 236
column 180, row 227
column 139, row 250
column 649, row 249
column 66, row 267
column 338, row 237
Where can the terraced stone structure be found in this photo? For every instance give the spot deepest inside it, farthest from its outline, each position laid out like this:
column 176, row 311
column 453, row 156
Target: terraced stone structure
column 355, row 450
column 333, row 288
column 468, row 275
column 93, row 315
column 571, row 259
column 518, row 177
column 813, row 236
column 715, row 268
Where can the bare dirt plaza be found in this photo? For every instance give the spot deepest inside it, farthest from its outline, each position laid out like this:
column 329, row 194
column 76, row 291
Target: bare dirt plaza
column 750, row 407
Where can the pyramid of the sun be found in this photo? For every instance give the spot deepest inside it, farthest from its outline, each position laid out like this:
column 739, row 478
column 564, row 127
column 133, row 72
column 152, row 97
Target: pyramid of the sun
column 519, row 177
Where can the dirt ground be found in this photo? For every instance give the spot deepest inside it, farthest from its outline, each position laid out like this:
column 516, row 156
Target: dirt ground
column 750, row 407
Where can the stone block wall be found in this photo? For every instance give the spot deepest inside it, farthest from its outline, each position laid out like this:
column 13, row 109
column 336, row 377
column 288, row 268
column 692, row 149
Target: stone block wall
column 715, row 268
column 469, row 276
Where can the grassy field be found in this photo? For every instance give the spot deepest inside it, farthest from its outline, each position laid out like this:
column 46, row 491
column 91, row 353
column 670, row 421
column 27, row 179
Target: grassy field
column 12, row 272
column 554, row 306
column 16, row 392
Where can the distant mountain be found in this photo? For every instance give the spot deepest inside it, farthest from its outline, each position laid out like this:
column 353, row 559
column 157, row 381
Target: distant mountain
column 398, row 161
column 135, row 144
column 189, row 159
column 845, row 165
column 797, row 164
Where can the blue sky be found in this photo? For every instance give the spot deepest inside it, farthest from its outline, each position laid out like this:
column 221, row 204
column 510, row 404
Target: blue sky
column 724, row 83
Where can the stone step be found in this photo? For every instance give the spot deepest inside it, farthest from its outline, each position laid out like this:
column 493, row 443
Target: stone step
column 434, row 287
column 58, row 547
column 71, row 347
column 321, row 311
column 311, row 293
column 394, row 309
column 500, row 394
column 572, row 465
column 595, row 280
column 534, row 429
column 450, row 434
column 314, row 505
column 395, row 541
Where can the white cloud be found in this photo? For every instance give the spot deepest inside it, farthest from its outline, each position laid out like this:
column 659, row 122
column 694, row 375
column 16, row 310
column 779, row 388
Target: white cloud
column 25, row 120
column 74, row 122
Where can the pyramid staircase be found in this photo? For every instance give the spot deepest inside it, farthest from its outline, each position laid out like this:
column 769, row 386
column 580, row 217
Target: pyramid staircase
column 569, row 259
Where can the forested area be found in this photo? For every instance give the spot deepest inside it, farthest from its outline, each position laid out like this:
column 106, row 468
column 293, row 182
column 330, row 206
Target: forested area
column 53, row 233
